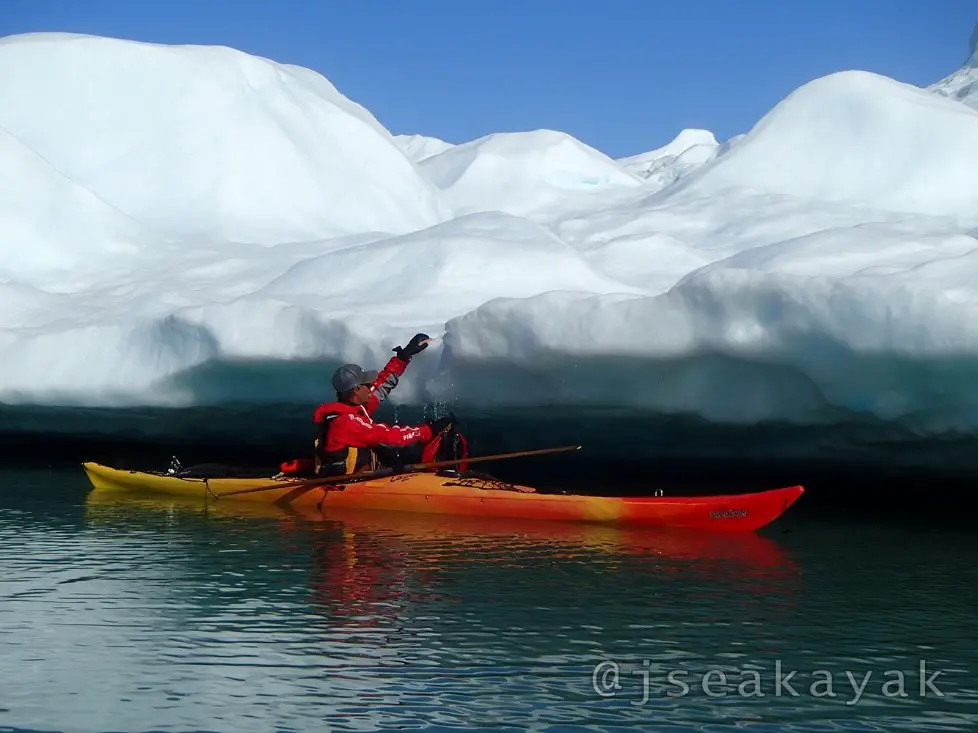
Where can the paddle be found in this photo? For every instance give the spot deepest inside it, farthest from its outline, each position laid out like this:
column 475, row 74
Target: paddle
column 408, row 468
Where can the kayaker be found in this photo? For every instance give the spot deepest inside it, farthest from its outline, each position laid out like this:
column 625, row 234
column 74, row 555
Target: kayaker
column 348, row 440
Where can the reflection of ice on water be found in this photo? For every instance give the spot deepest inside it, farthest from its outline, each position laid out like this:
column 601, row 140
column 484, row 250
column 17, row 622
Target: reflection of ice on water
column 110, row 628
column 246, row 618
column 83, row 625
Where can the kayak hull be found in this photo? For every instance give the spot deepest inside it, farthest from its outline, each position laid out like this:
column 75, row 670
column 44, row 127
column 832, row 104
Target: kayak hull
column 429, row 493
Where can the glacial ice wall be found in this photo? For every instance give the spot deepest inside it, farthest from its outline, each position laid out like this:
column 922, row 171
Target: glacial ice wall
column 814, row 271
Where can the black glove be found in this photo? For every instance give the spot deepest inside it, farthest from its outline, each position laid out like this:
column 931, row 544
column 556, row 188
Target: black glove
column 415, row 346
column 441, row 424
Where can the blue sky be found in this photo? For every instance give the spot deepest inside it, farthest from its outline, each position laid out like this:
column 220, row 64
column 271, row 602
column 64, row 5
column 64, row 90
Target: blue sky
column 623, row 76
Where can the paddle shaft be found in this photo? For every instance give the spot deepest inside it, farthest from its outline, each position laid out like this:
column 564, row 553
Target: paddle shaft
column 409, row 468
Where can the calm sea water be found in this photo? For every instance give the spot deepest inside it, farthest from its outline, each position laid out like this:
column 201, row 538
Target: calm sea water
column 119, row 614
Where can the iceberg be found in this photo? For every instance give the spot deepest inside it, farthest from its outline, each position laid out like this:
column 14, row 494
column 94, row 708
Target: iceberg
column 209, row 142
column 421, row 147
column 689, row 150
column 196, row 227
column 524, row 173
column 962, row 84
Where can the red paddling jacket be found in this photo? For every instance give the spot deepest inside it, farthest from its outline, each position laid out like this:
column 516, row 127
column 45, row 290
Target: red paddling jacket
column 345, row 434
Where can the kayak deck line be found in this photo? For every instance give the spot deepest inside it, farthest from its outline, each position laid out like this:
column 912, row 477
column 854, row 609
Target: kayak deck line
column 466, row 494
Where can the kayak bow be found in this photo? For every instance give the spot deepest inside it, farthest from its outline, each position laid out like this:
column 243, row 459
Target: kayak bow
column 430, row 493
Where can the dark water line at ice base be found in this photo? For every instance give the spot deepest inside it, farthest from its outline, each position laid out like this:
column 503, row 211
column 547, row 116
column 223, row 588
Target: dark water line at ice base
column 870, row 471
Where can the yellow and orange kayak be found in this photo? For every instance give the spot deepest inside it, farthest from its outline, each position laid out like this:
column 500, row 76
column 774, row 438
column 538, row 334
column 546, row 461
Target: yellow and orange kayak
column 429, row 493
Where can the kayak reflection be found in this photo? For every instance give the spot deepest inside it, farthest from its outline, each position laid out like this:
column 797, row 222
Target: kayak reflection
column 386, row 558
column 366, row 564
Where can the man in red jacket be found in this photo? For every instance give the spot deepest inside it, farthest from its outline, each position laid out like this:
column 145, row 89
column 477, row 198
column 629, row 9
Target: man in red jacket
column 348, row 440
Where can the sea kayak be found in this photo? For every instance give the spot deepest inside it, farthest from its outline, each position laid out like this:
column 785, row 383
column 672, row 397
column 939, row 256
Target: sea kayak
column 475, row 495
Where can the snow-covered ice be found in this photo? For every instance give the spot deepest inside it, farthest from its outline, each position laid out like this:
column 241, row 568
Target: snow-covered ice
column 420, row 147
column 167, row 208
column 209, row 142
column 962, row 84
column 686, row 152
column 525, row 172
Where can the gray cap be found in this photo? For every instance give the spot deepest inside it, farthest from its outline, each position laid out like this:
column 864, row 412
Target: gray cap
column 350, row 376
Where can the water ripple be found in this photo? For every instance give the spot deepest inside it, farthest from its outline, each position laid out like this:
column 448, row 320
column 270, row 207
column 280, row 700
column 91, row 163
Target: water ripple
column 130, row 615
